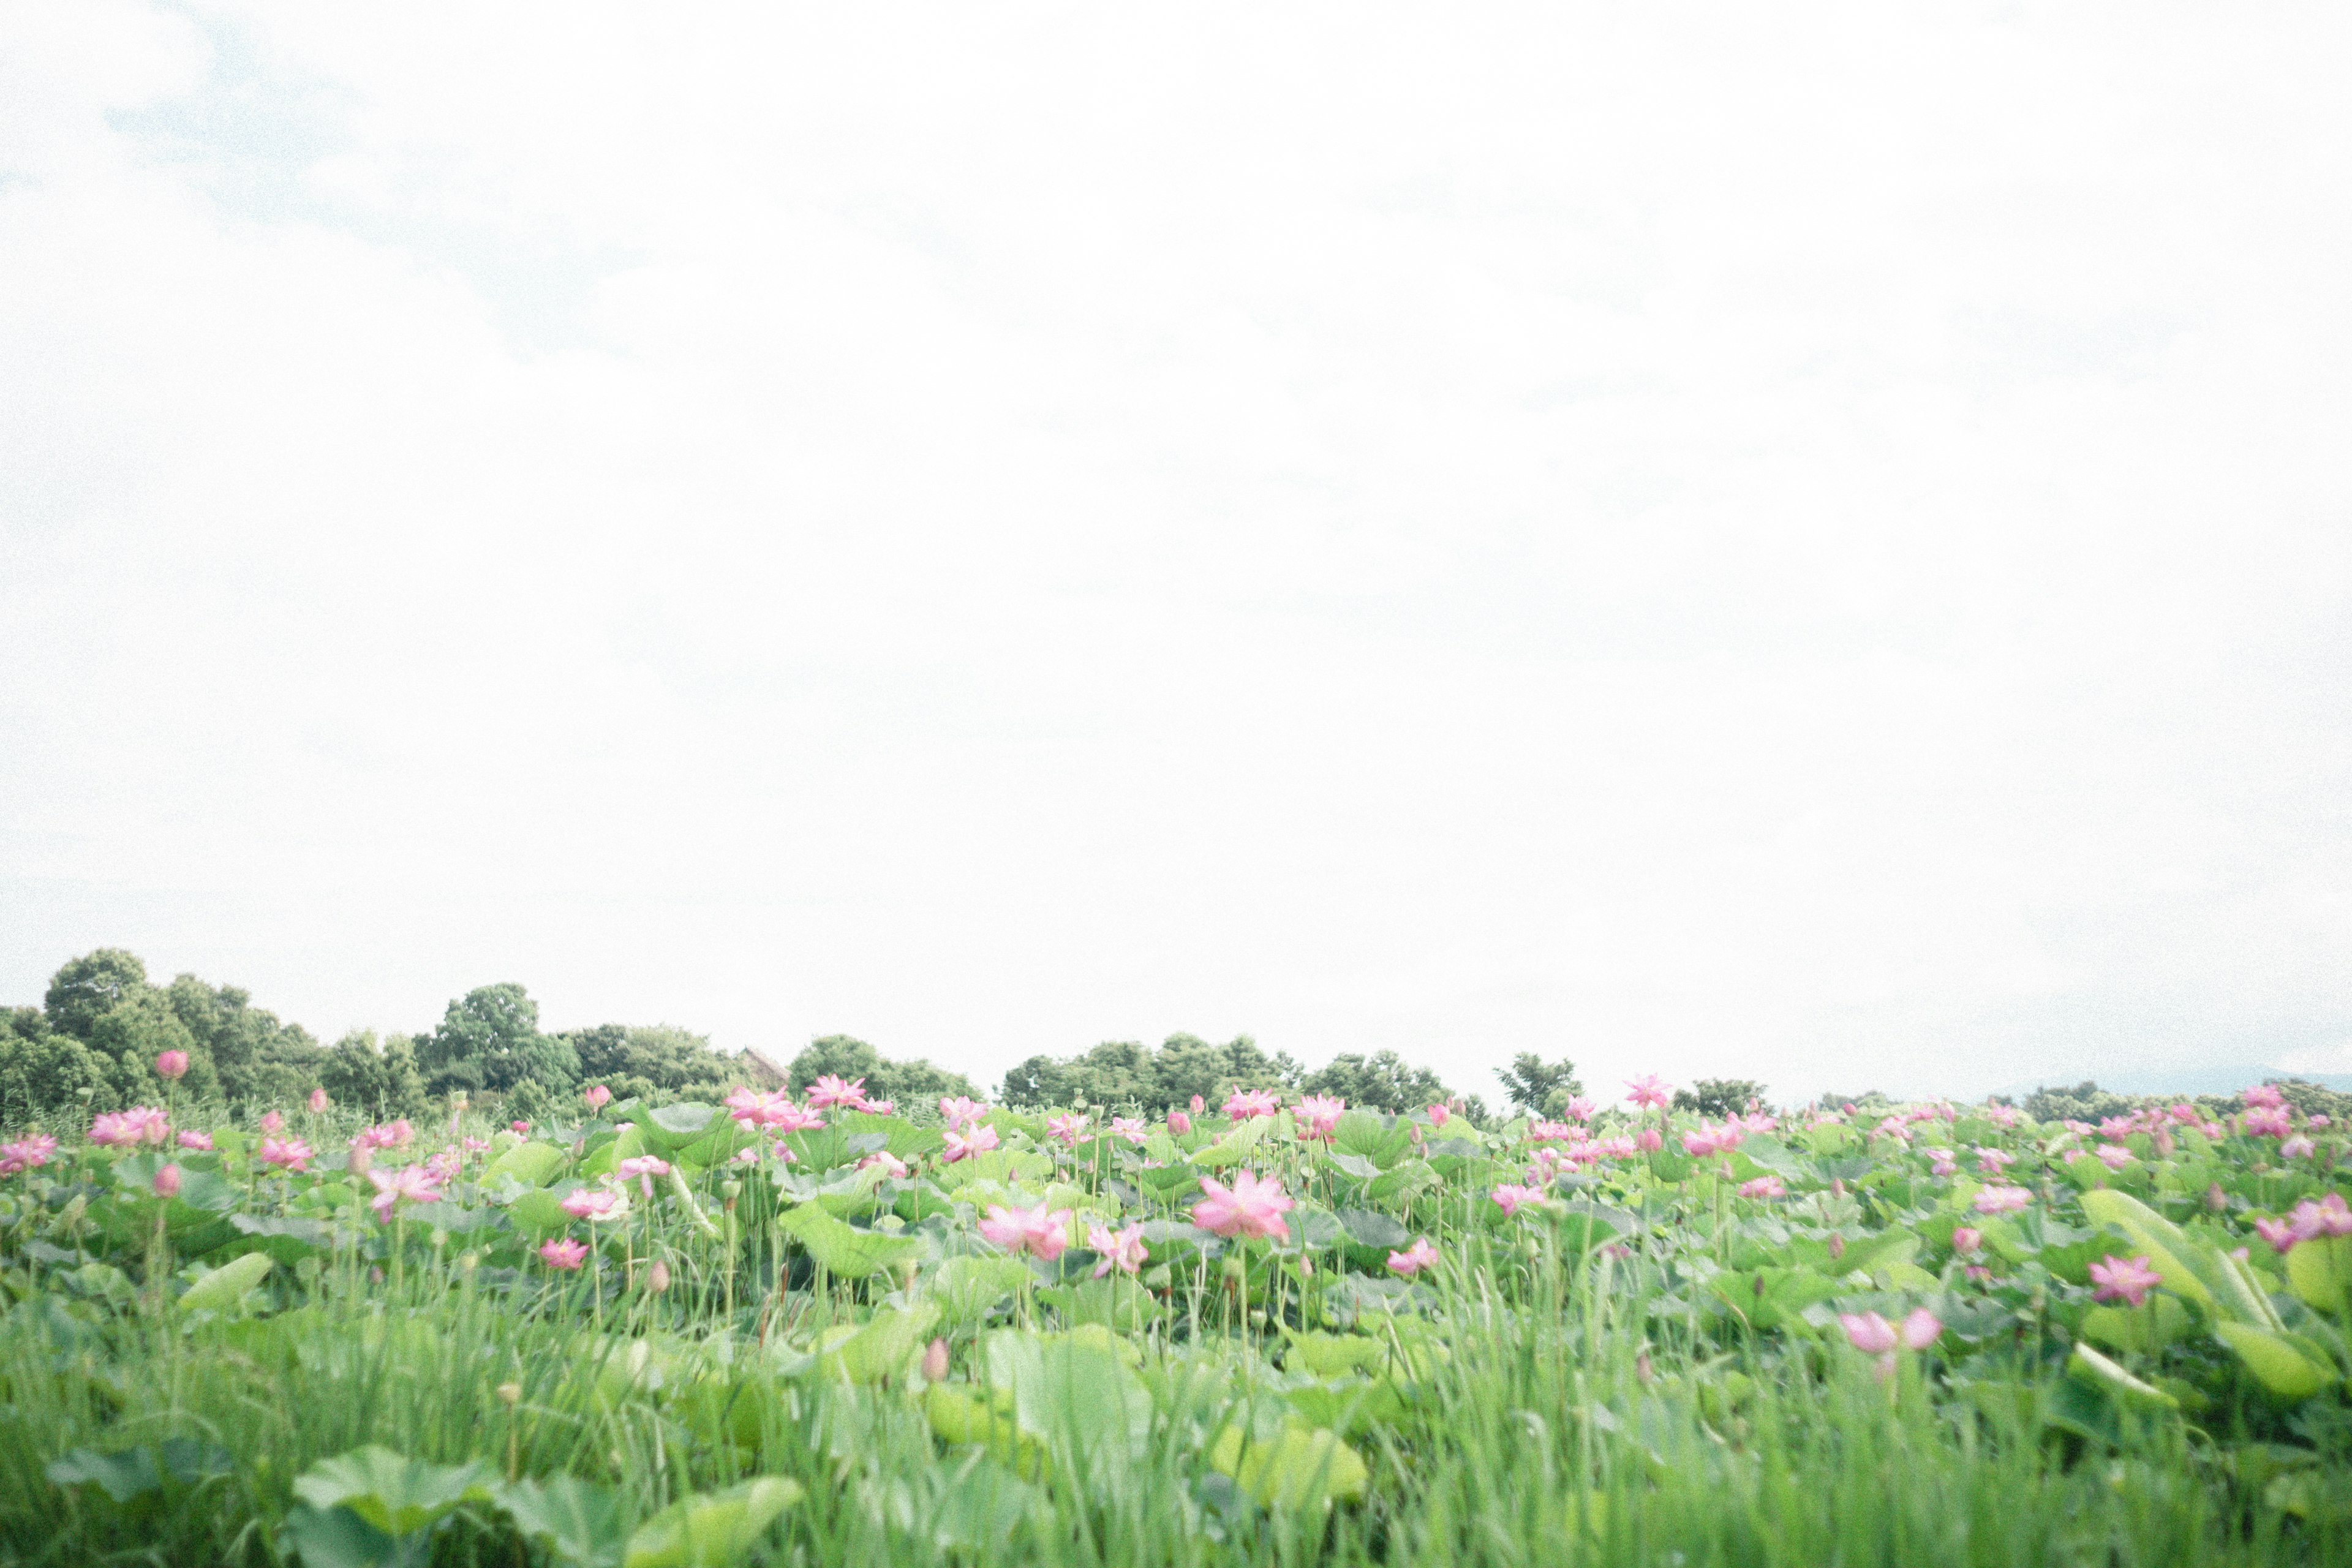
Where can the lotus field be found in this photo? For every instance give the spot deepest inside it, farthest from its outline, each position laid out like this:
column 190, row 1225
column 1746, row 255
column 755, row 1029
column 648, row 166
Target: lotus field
column 818, row 1329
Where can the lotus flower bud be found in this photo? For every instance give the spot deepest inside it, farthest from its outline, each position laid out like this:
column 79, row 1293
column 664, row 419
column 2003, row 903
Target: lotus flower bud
column 171, row 1064
column 935, row 1361
column 167, row 1181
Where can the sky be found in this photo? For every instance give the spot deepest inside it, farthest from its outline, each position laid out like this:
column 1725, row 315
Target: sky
column 1810, row 544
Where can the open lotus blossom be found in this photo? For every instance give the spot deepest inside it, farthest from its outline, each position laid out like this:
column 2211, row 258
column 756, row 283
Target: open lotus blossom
column 1178, row 1123
column 2279, row 1233
column 2263, row 1096
column 1439, row 1114
column 560, row 1253
column 273, row 1122
column 1764, row 1187
column 1042, row 1230
column 317, row 1103
column 1510, row 1199
column 1553, row 1132
column 192, row 1140
column 754, row 1108
column 1650, row 1091
column 1317, row 1114
column 890, row 1164
column 171, row 1064
column 1066, row 1129
column 783, row 1154
column 2298, row 1147
column 291, row 1153
column 831, row 1088
column 601, row 1205
column 874, row 1107
column 645, row 1167
column 1249, row 1207
column 1245, row 1104
column 2002, row 1200
column 965, row 1144
column 1130, row 1128
column 961, row 1110
column 1874, row 1335
column 2268, row 1121
column 1993, row 1162
column 412, row 1182
column 139, row 1124
column 1414, row 1258
column 1121, row 1249
column 1945, row 1162
column 2003, row 1115
column 2113, row 1157
column 29, row 1153
column 790, row 1118
column 2127, row 1279
column 2328, row 1216
column 1580, row 1107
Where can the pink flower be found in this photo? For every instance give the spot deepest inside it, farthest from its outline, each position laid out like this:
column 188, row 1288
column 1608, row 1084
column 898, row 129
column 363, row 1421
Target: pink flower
column 1250, row 1207
column 598, row 1097
column 1650, row 1089
column 29, row 1153
column 964, row 1145
column 475, row 1145
column 1122, row 1249
column 598, row 1203
column 2295, row 1148
column 1966, row 1239
column 2124, row 1279
column 2329, row 1216
column 1764, row 1187
column 519, row 1127
column 1946, row 1162
column 2002, row 1200
column 2269, row 1121
column 1414, row 1259
column 755, row 1109
column 1580, row 1107
column 1130, row 1127
column 1040, row 1231
column 1245, row 1104
column 196, row 1141
column 167, row 1181
column 1199, row 1105
column 786, row 1116
column 2262, row 1095
column 2317, row 1120
column 1993, row 1162
column 1510, row 1198
column 2113, row 1157
column 892, row 1166
column 935, row 1361
column 1921, row 1329
column 1874, row 1335
column 831, row 1088
column 1317, row 1114
column 1551, row 1132
column 318, row 1101
column 645, row 1167
column 1065, row 1129
column 413, row 1183
column 2279, row 1233
column 290, row 1152
column 558, row 1253
column 140, row 1124
column 171, row 1064
column 272, row 1122
column 1439, row 1115
column 2003, row 1115
column 962, row 1111
column 1178, row 1123
column 1648, row 1141
column 876, row 1107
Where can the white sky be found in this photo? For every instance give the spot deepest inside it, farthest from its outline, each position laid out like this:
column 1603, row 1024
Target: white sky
column 1812, row 542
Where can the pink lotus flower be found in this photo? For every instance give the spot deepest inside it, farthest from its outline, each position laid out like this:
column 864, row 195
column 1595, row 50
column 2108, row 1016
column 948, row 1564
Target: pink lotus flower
column 558, row 1253
column 1066, row 1129
column 1552, row 1133
column 1702, row 1143
column 964, row 1145
column 318, row 1101
column 1993, row 1162
column 2268, row 1121
column 1650, row 1090
column 755, row 1109
column 1179, row 1124
column 2113, row 1157
column 1618, row 1148
column 1510, row 1199
column 1040, row 1231
column 2296, row 1148
column 520, row 1128
column 29, row 1153
column 171, row 1064
column 1648, row 1141
column 1317, row 1114
column 1244, row 1103
column 1199, row 1105
column 2262, row 1095
column 787, row 1117
column 196, row 1141
column 1966, row 1239
column 645, row 1167
column 2279, row 1233
column 1946, row 1162
column 1121, row 1249
column 2002, row 1200
column 935, row 1361
column 831, row 1088
column 598, row 1097
column 785, row 1154
column 1439, row 1115
column 2124, row 1279
column 601, row 1205
column 2003, row 1115
column 1764, row 1187
column 273, row 1122
column 1414, row 1259
column 2318, row 1119
column 962, row 1111
column 891, row 1165
column 2328, row 1216
column 139, row 1124
column 167, row 1181
column 875, row 1107
column 413, row 1183
column 291, row 1153
column 1580, row 1107
column 1250, row 1207
column 1130, row 1127
column 1874, row 1335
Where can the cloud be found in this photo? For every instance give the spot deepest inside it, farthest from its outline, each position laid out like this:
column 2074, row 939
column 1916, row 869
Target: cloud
column 1807, row 549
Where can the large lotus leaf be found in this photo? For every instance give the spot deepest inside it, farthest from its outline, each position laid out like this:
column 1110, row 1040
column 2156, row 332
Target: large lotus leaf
column 534, row 1165
column 2319, row 1270
column 2143, row 1330
column 1235, row 1145
column 1362, row 1132
column 900, row 1136
column 1303, row 1468
column 1373, row 1230
column 2287, row 1367
column 886, row 1345
column 1400, row 1180
column 289, row 1238
column 540, row 1210
column 130, row 1473
column 338, row 1538
column 670, row 1127
column 578, row 1521
column 995, row 1165
column 712, row 1529
column 1076, row 1393
column 391, row 1491
column 223, row 1286
column 843, row 1248
column 967, row 1288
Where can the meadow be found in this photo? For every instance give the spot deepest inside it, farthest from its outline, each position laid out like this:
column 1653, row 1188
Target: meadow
column 821, row 1329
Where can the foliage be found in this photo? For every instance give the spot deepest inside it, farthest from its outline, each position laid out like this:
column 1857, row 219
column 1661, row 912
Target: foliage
column 1127, row 1073
column 1383, row 1081
column 1539, row 1088
column 2087, row 1101
column 380, row 1077
column 1720, row 1097
column 917, row 1082
column 490, row 1039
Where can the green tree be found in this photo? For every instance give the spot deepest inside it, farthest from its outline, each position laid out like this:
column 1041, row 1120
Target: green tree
column 1719, row 1097
column 1538, row 1087
column 489, row 1038
column 2087, row 1101
column 137, row 1029
column 90, row 986
column 43, row 1071
column 907, row 1084
column 653, row 1062
column 1381, row 1081
column 257, row 1057
column 378, row 1078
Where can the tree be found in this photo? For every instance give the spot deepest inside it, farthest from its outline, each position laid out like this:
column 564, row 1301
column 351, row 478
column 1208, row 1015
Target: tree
column 906, row 1083
column 489, row 1038
column 1719, row 1097
column 137, row 1029
column 257, row 1057
column 42, row 1070
column 380, row 1078
column 652, row 1062
column 1539, row 1088
column 89, row 986
column 1381, row 1081
column 2087, row 1101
